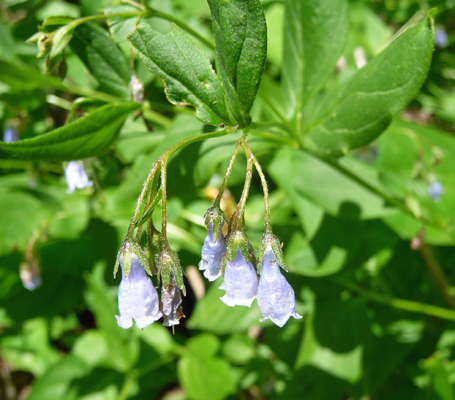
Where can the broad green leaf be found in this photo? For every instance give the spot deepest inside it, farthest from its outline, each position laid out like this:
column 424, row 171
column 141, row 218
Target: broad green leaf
column 343, row 365
column 56, row 384
column 202, row 374
column 355, row 114
column 103, row 58
column 322, row 184
column 315, row 32
column 23, row 78
column 88, row 136
column 241, row 50
column 22, row 215
column 185, row 69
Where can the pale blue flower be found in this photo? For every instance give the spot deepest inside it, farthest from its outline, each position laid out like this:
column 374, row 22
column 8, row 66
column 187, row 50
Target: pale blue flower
column 240, row 282
column 440, row 37
column 76, row 177
column 137, row 297
column 276, row 297
column 10, row 135
column 435, row 190
column 212, row 253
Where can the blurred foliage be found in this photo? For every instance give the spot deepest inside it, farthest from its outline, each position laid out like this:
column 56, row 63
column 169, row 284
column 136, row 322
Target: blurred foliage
column 369, row 247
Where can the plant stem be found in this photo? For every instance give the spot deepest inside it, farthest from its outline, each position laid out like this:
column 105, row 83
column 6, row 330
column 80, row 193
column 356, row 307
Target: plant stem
column 164, row 243
column 437, row 273
column 239, row 212
column 162, row 164
column 226, row 176
column 249, row 153
column 184, row 26
column 401, row 304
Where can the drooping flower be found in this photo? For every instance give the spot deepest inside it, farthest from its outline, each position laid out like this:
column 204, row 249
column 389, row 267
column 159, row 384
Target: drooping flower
column 137, row 297
column 30, row 273
column 435, row 190
column 240, row 282
column 212, row 254
column 10, row 135
column 76, row 177
column 276, row 297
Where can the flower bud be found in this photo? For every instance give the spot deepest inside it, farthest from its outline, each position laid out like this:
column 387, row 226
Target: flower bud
column 435, row 190
column 137, row 297
column 30, row 273
column 240, row 282
column 171, row 300
column 136, row 89
column 276, row 297
column 212, row 252
column 76, row 177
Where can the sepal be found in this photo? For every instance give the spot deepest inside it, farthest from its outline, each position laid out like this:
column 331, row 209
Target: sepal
column 214, row 219
column 168, row 262
column 269, row 239
column 124, row 257
column 238, row 240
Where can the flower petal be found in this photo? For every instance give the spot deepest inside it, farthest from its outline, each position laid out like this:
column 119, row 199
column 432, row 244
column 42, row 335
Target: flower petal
column 276, row 297
column 212, row 254
column 137, row 297
column 240, row 282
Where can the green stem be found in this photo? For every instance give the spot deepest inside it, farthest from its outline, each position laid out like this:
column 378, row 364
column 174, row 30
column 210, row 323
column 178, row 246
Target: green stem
column 437, row 273
column 401, row 304
column 184, row 26
column 164, row 242
column 162, row 163
column 265, row 188
column 371, row 188
column 226, row 176
column 238, row 216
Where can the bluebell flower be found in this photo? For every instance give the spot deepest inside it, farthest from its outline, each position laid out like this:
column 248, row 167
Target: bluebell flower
column 276, row 297
column 212, row 254
column 10, row 135
column 240, row 282
column 29, row 272
column 137, row 297
column 435, row 190
column 76, row 177
column 136, row 89
column 440, row 37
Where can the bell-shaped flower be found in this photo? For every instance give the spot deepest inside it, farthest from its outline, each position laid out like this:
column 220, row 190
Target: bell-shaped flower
column 76, row 177
column 10, row 135
column 240, row 282
column 212, row 254
column 276, row 297
column 137, row 297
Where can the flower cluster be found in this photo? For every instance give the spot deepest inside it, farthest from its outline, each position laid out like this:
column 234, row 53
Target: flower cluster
column 275, row 295
column 224, row 253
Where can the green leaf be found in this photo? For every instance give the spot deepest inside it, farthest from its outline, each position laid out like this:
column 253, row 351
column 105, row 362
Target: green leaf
column 322, row 184
column 314, row 36
column 56, row 384
column 88, row 136
column 185, row 69
column 241, row 50
column 355, row 114
column 202, row 374
column 103, row 58
column 23, row 78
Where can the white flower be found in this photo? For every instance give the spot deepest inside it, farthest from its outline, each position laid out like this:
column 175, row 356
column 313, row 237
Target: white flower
column 76, row 177
column 137, row 297
column 212, row 253
column 240, row 282
column 276, row 297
